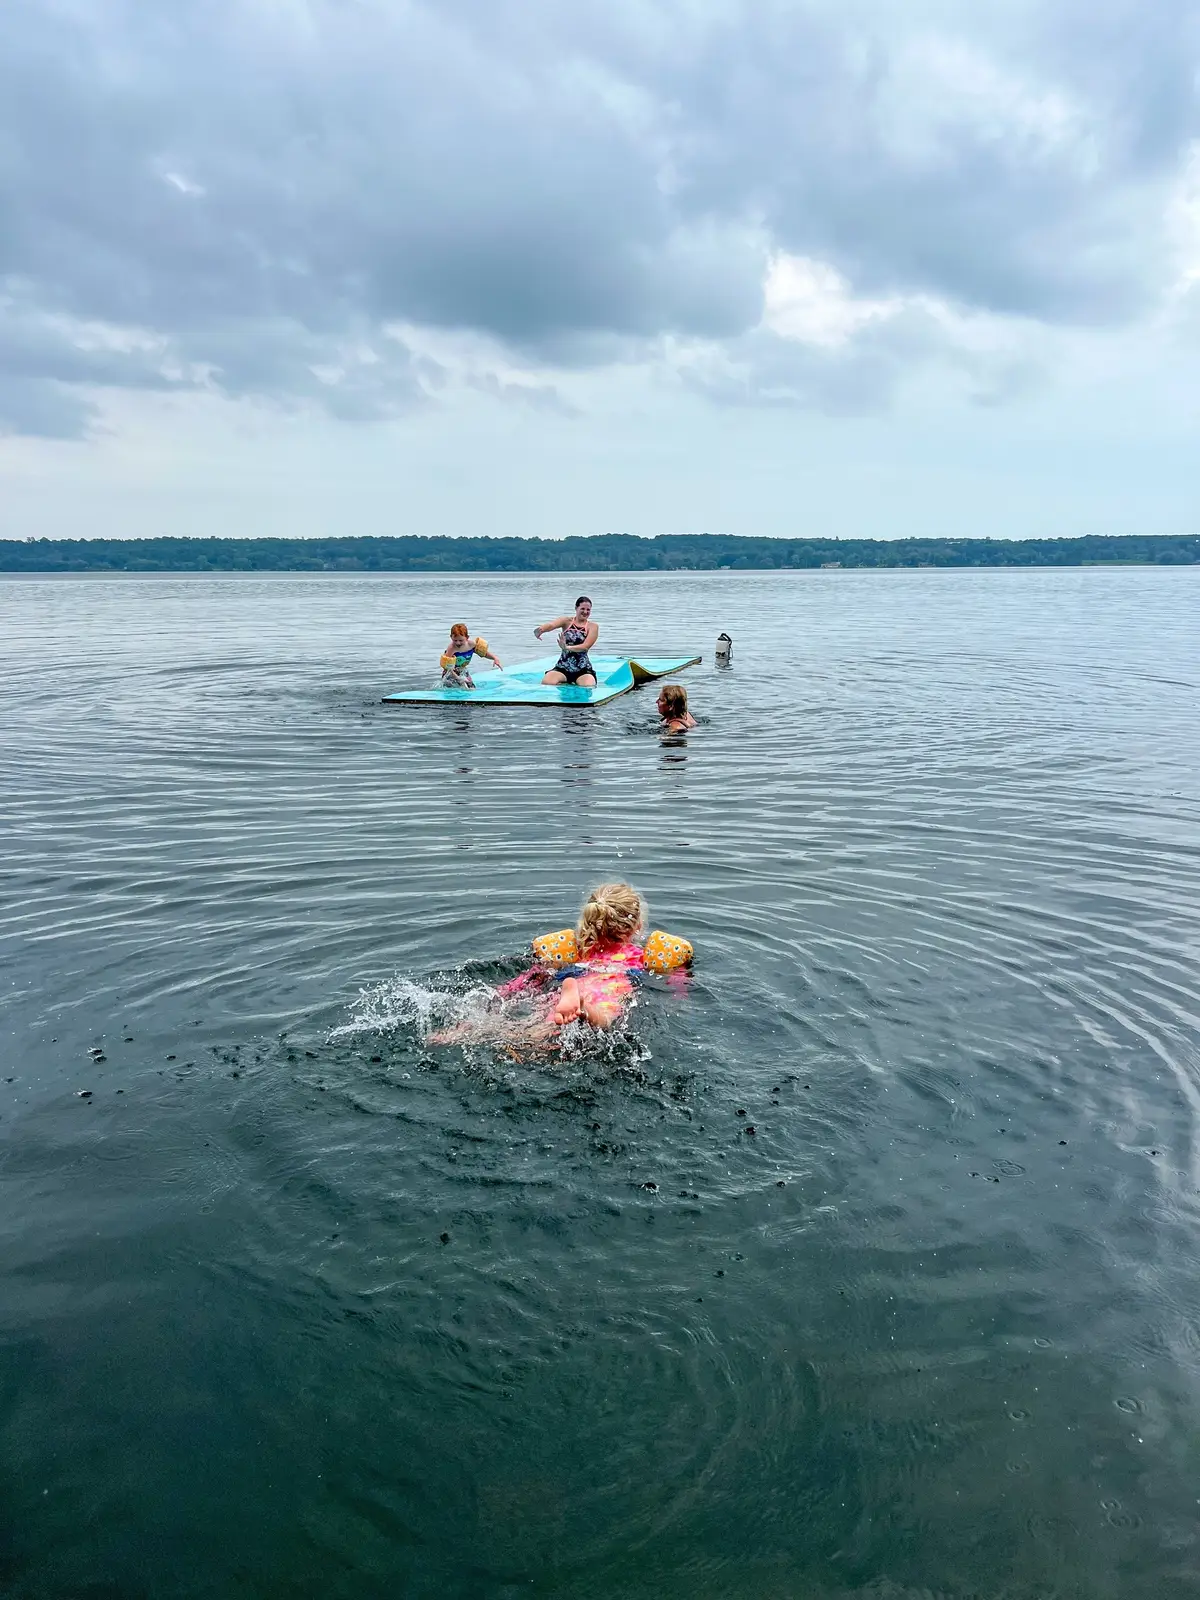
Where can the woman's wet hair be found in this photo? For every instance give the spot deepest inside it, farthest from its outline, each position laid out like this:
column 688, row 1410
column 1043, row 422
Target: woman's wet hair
column 612, row 915
column 674, row 698
column 581, row 600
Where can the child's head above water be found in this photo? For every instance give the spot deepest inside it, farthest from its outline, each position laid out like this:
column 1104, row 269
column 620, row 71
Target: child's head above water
column 672, row 702
column 459, row 630
column 613, row 914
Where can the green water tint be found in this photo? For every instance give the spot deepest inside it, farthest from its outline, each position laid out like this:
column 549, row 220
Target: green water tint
column 293, row 1304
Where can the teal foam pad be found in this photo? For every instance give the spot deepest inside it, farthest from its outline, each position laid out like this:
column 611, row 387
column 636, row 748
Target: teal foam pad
column 522, row 685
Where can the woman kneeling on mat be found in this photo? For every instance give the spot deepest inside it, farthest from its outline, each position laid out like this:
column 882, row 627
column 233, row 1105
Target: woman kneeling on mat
column 576, row 636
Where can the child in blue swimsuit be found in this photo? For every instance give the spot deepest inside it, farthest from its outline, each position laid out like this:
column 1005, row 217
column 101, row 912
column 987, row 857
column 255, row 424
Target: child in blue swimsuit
column 456, row 658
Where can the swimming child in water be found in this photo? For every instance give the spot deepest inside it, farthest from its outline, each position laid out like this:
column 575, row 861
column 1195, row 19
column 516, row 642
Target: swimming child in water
column 673, row 709
column 600, row 984
column 596, row 988
column 456, row 658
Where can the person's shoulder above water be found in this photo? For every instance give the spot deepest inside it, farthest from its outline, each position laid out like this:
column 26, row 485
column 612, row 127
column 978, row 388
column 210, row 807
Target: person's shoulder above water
column 673, row 709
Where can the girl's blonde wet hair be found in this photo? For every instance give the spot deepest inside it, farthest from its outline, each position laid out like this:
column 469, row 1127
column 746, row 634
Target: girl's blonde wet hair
column 612, row 915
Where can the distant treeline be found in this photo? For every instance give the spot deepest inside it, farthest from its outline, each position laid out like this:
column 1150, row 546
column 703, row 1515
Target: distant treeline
column 607, row 552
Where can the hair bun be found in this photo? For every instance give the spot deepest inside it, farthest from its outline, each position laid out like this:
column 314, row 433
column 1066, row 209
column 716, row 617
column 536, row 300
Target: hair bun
column 614, row 912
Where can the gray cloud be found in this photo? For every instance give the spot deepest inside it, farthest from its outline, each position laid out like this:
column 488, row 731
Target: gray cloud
column 47, row 365
column 42, row 409
column 259, row 191
column 861, row 375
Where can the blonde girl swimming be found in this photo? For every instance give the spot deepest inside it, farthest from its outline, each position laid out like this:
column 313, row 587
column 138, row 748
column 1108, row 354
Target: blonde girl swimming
column 596, row 988
column 599, row 985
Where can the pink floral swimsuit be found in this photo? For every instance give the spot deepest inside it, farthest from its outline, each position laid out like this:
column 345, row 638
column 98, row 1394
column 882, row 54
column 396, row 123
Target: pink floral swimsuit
column 609, row 974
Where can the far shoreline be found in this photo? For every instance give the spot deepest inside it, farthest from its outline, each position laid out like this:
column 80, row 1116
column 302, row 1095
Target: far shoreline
column 721, row 554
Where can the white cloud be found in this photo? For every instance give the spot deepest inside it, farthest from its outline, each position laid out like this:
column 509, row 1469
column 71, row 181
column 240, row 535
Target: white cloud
column 811, row 301
column 1184, row 222
column 943, row 89
column 184, row 185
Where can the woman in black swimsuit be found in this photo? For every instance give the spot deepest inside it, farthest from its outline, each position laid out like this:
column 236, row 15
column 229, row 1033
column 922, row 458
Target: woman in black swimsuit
column 576, row 637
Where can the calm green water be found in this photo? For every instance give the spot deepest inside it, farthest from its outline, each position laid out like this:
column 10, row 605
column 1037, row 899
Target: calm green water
column 294, row 1305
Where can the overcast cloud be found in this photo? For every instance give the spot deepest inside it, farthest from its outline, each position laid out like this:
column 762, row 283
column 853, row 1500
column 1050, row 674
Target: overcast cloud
column 362, row 208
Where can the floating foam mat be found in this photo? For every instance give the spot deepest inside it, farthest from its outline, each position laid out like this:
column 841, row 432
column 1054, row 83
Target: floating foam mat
column 523, row 686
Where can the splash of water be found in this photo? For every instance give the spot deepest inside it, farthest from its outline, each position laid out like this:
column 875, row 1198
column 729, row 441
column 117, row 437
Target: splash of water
column 402, row 1003
column 406, row 1005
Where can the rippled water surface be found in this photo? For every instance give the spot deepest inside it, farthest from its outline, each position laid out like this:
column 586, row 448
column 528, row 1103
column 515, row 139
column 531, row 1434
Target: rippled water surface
column 293, row 1303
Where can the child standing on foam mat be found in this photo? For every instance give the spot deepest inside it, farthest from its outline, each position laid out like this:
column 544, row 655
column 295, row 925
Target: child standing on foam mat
column 456, row 659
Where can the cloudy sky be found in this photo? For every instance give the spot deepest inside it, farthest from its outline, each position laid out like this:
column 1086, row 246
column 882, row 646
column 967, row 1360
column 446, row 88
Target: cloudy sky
column 854, row 267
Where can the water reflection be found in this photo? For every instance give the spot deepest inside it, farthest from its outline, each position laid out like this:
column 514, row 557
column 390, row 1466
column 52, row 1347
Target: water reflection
column 578, row 732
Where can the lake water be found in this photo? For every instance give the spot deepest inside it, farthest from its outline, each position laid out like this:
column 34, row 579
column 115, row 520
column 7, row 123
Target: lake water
column 294, row 1304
